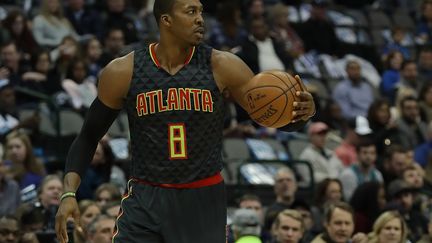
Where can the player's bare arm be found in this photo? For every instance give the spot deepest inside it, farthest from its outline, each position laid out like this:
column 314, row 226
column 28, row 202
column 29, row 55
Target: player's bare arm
column 112, row 89
column 233, row 74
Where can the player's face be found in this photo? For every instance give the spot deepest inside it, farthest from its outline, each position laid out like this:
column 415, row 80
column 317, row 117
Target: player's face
column 187, row 21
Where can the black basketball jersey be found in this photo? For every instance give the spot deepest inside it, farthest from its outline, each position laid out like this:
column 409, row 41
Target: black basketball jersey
column 176, row 121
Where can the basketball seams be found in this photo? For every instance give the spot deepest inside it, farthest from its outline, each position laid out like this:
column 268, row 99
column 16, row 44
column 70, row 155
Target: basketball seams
column 293, row 84
column 286, row 103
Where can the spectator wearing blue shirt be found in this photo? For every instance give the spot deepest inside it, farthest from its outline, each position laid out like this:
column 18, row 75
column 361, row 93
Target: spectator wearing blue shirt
column 424, row 30
column 396, row 43
column 423, row 152
column 354, row 95
column 391, row 75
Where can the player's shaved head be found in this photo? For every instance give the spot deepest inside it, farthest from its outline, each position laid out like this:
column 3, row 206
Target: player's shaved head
column 162, row 7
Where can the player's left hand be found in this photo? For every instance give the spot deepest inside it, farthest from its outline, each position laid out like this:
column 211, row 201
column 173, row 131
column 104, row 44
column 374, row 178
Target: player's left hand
column 305, row 108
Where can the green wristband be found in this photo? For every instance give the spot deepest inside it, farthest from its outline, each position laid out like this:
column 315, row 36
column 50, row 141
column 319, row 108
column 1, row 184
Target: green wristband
column 67, row 194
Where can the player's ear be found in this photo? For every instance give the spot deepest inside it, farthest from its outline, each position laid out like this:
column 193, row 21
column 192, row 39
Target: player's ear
column 166, row 19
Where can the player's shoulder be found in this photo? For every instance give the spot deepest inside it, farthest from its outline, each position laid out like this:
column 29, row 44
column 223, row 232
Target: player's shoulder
column 224, row 59
column 121, row 65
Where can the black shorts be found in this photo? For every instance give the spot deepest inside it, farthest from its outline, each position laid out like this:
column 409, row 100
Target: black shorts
column 152, row 214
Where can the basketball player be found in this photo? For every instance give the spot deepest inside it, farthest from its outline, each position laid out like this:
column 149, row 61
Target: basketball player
column 172, row 91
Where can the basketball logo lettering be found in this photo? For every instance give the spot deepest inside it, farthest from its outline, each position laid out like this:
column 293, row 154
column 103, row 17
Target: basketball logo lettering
column 267, row 114
column 251, row 102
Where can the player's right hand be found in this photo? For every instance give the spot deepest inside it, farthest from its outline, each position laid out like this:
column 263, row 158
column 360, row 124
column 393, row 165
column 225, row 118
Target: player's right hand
column 68, row 208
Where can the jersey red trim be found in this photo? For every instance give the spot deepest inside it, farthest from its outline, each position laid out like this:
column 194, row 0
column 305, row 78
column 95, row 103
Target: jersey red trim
column 209, row 181
column 152, row 51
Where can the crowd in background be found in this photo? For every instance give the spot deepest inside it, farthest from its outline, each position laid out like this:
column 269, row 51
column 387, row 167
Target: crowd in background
column 367, row 63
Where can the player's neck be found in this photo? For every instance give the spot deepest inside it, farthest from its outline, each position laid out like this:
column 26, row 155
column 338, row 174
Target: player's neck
column 171, row 55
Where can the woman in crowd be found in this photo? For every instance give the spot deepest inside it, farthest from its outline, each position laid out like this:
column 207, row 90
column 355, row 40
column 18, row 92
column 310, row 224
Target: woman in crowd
column 89, row 211
column 16, row 24
column 390, row 227
column 106, row 193
column 51, row 26
column 368, row 200
column 25, row 168
column 328, row 191
column 384, row 128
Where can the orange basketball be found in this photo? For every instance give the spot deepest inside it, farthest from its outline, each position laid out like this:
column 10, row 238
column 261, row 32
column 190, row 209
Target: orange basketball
column 270, row 100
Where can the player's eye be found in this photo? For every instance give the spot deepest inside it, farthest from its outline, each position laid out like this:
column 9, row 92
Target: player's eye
column 192, row 11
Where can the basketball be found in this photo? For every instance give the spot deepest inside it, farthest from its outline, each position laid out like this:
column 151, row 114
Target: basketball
column 270, row 100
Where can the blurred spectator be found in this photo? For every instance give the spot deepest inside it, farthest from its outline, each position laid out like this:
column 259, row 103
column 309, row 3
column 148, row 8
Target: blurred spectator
column 425, row 63
column 412, row 129
column 363, row 170
column 318, row 32
column 306, row 214
column 396, row 43
column 101, row 170
column 50, row 26
column 112, row 208
column 391, row 75
column 246, row 227
column 325, row 163
column 228, row 32
column 288, row 227
column 9, row 230
column 332, row 116
column 116, row 17
column 32, row 218
column 84, row 20
column 354, row 95
column 368, row 200
column 9, row 112
column 18, row 27
column 384, row 128
column 413, row 177
column 423, row 152
column 283, row 32
column 47, row 203
column 394, row 163
column 339, row 226
column 251, row 201
column 424, row 31
column 106, row 193
column 89, row 211
column 31, row 222
column 389, row 227
column 92, row 54
column 25, row 168
column 262, row 52
column 10, row 66
column 68, row 50
column 114, row 43
column 401, row 198
column 285, row 188
column 427, row 238
column 36, row 78
column 327, row 192
column 80, row 87
column 101, row 229
column 425, row 101
column 50, row 191
column 255, row 9
column 10, row 197
column 409, row 77
column 356, row 128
